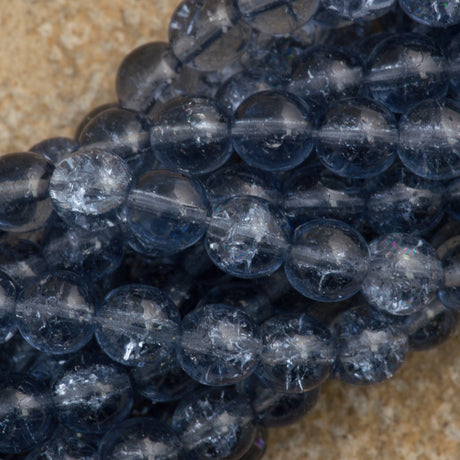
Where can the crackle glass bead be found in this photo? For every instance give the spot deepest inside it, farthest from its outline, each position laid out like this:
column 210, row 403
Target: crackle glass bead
column 327, row 261
column 404, row 69
column 24, row 202
column 55, row 149
column 297, row 353
column 167, row 211
column 247, row 237
column 220, row 345
column 55, row 313
column 7, row 308
column 429, row 139
column 89, row 187
column 358, row 138
column 137, row 325
column 207, row 34
column 191, row 134
column 433, row 13
column 369, row 347
column 449, row 254
column 358, row 10
column 215, row 423
column 404, row 274
column 272, row 131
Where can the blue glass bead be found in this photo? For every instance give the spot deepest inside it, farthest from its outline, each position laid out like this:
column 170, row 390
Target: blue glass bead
column 144, row 74
column 24, row 202
column 449, row 254
column 220, row 345
column 358, row 10
column 55, row 149
column 453, row 63
column 191, row 134
column 55, row 313
column 259, row 445
column 272, row 131
column 27, row 415
column 141, row 438
column 7, row 308
column 247, row 237
column 297, row 353
column 358, row 138
column 369, row 347
column 167, row 211
column 17, row 355
column 92, row 114
column 207, row 34
column 216, row 423
column 433, row 13
column 404, row 274
column 429, row 139
column 325, row 73
column 404, row 69
column 137, row 325
column 452, row 198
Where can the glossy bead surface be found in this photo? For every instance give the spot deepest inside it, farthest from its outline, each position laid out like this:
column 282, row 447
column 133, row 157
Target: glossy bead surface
column 449, row 254
column 433, row 13
column 359, row 10
column 55, row 149
column 7, row 308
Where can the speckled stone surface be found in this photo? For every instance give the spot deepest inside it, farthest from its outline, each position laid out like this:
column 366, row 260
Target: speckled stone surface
column 58, row 60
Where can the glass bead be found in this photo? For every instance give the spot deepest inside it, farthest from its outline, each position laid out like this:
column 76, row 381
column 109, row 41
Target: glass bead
column 272, row 131
column 92, row 114
column 277, row 18
column 429, row 139
column 369, row 347
column 359, row 10
column 433, row 13
column 453, row 63
column 207, row 34
column 55, row 313
column 7, row 308
column 404, row 274
column 247, row 237
column 137, row 325
column 17, row 356
column 259, row 445
column 327, row 261
column 215, row 423
column 89, row 187
column 404, row 69
column 358, row 138
column 449, row 254
column 220, row 345
column 167, row 211
column 27, row 415
column 55, row 149
column 191, row 134
column 297, row 353
column 24, row 202
column 452, row 198
column 141, row 438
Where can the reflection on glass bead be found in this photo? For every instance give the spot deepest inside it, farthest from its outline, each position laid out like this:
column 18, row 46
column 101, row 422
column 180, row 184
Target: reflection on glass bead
column 358, row 10
column 259, row 445
column 7, row 308
column 247, row 237
column 404, row 274
column 207, row 34
column 55, row 313
column 191, row 134
column 92, row 114
column 27, row 415
column 429, row 139
column 449, row 253
column 137, row 324
column 327, row 261
column 220, row 345
column 433, row 13
column 297, row 353
column 272, row 131
column 358, row 138
column 24, row 202
column 55, row 149
column 369, row 347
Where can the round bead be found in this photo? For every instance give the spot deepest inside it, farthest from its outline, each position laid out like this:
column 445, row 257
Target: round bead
column 358, row 10
column 7, row 308
column 449, row 253
column 55, row 149
column 191, row 134
column 429, row 139
column 433, row 13
column 137, row 325
column 272, row 131
column 92, row 114
column 247, row 237
column 452, row 198
column 327, row 261
column 259, row 445
column 453, row 63
column 55, row 313
column 404, row 274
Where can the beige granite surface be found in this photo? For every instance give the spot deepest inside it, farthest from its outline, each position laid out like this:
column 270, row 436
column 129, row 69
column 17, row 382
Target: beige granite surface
column 58, row 60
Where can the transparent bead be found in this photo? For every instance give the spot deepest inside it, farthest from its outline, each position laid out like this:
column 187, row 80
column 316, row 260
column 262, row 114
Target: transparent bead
column 404, row 274
column 207, row 34
column 327, row 261
column 358, row 10
column 433, row 13
column 55, row 313
column 55, row 149
column 247, row 237
column 92, row 114
column 369, row 347
column 272, row 131
column 89, row 187
column 191, row 134
column 404, row 69
column 259, row 445
column 449, row 254
column 453, row 63
column 297, row 353
column 24, row 202
column 452, row 198
column 7, row 308
column 358, row 138
column 17, row 355
column 429, row 139
column 137, row 325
